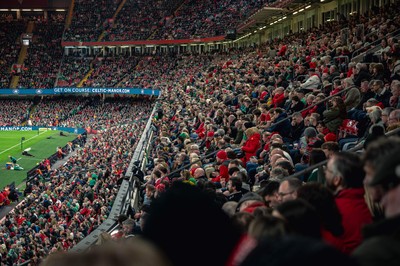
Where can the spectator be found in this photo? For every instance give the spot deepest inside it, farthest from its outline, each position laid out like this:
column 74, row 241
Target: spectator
column 344, row 176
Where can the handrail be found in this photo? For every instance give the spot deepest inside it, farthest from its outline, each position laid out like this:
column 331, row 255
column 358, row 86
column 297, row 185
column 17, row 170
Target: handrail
column 311, row 106
column 362, row 50
column 354, row 149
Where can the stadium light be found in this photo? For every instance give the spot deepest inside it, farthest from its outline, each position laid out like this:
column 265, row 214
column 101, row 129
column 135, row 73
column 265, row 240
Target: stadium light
column 307, row 7
column 60, row 10
column 37, row 10
column 295, row 12
column 301, row 10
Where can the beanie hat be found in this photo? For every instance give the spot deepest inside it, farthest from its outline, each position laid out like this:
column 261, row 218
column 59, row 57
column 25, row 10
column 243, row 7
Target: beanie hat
column 210, row 134
column 249, row 196
column 222, row 155
column 330, row 137
column 310, row 132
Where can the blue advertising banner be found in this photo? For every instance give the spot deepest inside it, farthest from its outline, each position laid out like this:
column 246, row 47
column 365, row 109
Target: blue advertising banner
column 28, row 128
column 74, row 90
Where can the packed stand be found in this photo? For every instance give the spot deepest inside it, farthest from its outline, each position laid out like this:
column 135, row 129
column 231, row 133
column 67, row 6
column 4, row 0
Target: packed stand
column 89, row 19
column 149, row 16
column 49, row 112
column 239, row 125
column 73, row 70
column 10, row 31
column 44, row 55
column 240, row 119
column 64, row 205
column 109, row 71
column 14, row 112
column 97, row 115
column 199, row 19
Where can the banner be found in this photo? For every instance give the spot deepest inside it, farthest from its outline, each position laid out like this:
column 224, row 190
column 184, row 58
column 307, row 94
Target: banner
column 28, row 128
column 74, row 90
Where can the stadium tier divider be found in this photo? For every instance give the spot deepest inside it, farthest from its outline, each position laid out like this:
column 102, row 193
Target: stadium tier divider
column 359, row 54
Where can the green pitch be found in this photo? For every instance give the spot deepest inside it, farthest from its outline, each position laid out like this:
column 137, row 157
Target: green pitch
column 41, row 147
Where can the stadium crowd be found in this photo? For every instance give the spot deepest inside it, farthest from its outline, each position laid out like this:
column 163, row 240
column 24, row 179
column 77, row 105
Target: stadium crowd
column 73, row 70
column 10, row 31
column 89, row 19
column 44, row 54
column 64, row 205
column 109, row 71
column 168, row 19
column 14, row 112
column 49, row 112
column 216, row 17
column 239, row 118
column 148, row 17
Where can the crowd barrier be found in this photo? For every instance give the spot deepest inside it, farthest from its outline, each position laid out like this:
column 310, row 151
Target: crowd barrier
column 128, row 194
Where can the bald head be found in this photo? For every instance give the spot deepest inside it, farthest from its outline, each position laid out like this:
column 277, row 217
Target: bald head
column 199, row 172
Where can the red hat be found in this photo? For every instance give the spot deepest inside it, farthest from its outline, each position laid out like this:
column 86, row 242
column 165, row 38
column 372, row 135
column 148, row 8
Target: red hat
column 330, row 137
column 222, row 155
column 210, row 134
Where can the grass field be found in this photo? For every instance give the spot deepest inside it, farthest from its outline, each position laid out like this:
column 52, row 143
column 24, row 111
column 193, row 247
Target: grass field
column 41, row 147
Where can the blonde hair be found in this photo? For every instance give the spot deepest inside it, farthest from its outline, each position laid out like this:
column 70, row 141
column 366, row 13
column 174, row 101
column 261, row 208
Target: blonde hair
column 251, row 131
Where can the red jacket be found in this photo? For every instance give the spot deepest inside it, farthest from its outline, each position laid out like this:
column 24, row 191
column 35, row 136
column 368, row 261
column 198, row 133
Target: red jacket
column 278, row 99
column 355, row 214
column 309, row 111
column 251, row 146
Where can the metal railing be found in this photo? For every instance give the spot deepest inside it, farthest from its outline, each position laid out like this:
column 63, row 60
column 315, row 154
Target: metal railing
column 374, row 45
column 354, row 149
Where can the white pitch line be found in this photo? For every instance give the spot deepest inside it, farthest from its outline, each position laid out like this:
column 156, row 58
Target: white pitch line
column 20, row 143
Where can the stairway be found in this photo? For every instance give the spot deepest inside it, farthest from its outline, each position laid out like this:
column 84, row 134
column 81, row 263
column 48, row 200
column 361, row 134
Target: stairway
column 121, row 5
column 22, row 55
column 85, row 78
column 70, row 13
column 173, row 14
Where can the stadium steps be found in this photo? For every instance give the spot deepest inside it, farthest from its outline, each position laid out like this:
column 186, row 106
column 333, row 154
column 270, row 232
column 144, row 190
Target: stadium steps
column 156, row 30
column 80, row 84
column 22, row 55
column 121, row 5
column 70, row 13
